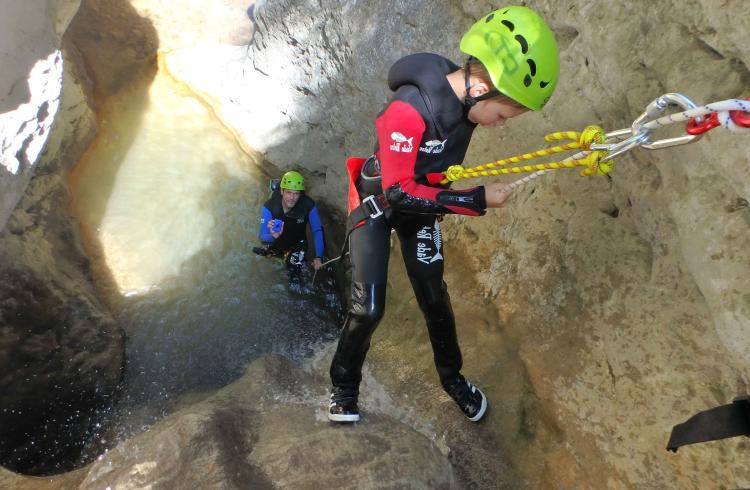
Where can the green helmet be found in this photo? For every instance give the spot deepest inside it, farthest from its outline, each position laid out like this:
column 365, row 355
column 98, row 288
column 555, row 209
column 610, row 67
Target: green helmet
column 293, row 181
column 520, row 53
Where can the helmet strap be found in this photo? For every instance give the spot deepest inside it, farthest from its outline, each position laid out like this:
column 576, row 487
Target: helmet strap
column 470, row 101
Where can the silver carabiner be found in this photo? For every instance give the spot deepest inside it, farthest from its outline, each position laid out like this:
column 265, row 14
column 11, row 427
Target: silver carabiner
column 626, row 140
column 617, row 136
column 656, row 109
column 637, row 139
column 638, row 135
column 676, row 141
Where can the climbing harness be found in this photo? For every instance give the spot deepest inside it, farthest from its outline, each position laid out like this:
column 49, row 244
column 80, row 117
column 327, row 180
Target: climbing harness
column 598, row 149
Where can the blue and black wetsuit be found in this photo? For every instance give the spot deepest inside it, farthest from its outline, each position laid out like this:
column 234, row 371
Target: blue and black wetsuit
column 422, row 130
column 294, row 237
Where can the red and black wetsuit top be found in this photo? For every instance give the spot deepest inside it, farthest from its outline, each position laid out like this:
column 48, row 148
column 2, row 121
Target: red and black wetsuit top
column 424, row 129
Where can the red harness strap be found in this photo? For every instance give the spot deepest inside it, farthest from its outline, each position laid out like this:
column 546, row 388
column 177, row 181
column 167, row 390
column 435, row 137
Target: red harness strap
column 354, row 168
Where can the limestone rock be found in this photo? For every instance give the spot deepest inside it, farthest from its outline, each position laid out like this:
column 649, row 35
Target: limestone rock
column 61, row 353
column 625, row 297
column 116, row 44
column 267, row 430
column 60, row 350
column 226, row 22
column 13, row 481
column 596, row 313
column 30, row 88
column 307, row 90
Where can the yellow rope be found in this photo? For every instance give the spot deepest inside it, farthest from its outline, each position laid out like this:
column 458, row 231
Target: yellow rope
column 581, row 141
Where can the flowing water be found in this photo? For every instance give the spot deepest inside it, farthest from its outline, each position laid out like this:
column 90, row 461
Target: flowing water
column 169, row 206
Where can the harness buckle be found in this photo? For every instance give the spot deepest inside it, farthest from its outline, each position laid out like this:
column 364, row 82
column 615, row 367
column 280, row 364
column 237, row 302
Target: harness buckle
column 371, row 201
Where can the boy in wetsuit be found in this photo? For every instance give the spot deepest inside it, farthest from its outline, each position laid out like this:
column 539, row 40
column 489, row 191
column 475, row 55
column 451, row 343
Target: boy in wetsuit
column 427, row 125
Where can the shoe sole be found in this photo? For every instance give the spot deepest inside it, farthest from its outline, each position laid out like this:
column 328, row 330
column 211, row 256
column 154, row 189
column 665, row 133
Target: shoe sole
column 343, row 418
column 480, row 414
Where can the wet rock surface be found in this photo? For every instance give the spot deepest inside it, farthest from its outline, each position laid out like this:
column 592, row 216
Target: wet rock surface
column 617, row 303
column 61, row 352
column 30, row 87
column 595, row 313
column 266, row 430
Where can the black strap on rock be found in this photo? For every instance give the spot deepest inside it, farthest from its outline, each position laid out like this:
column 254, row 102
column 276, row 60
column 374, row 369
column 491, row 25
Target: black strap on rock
column 711, row 425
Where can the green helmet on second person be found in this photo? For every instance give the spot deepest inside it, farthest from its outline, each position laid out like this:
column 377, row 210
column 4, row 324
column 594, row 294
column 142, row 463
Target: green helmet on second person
column 520, row 53
column 293, row 181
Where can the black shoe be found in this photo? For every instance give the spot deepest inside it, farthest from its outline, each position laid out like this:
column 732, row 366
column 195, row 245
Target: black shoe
column 343, row 407
column 469, row 398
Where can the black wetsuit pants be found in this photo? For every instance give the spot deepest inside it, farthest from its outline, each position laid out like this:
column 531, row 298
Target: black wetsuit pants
column 421, row 246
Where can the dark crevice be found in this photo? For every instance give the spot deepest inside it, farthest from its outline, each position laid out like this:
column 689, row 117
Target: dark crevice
column 737, row 204
column 612, row 211
column 715, row 54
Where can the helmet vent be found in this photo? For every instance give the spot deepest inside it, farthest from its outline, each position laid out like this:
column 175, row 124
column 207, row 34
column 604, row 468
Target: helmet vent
column 527, row 80
column 522, row 41
column 543, row 84
column 490, row 17
column 532, row 66
column 509, row 25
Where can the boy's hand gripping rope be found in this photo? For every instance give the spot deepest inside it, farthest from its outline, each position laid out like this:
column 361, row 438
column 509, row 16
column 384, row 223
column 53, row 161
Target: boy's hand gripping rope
column 598, row 148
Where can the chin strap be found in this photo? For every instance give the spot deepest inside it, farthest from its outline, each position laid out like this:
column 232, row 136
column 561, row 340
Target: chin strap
column 470, row 101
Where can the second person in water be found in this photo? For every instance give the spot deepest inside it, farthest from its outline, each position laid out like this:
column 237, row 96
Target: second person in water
column 513, row 67
column 284, row 221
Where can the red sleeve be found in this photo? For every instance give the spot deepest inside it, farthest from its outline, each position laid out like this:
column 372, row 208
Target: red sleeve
column 400, row 129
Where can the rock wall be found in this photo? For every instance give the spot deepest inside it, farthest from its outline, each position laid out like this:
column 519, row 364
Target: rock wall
column 624, row 298
column 30, row 88
column 61, row 353
column 596, row 313
column 114, row 43
column 266, row 430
